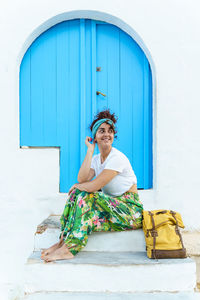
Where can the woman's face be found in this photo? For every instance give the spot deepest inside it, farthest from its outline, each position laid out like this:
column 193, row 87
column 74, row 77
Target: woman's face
column 104, row 135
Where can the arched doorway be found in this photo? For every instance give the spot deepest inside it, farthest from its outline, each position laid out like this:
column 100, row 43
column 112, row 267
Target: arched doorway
column 59, row 76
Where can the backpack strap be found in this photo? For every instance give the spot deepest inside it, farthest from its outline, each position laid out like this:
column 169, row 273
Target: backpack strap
column 176, row 228
column 154, row 234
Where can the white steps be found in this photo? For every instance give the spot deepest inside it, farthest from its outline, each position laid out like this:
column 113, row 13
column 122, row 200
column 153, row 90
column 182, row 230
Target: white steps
column 112, row 296
column 113, row 265
column 131, row 240
column 116, row 272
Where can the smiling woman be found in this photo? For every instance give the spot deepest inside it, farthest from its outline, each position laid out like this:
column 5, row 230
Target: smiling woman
column 115, row 208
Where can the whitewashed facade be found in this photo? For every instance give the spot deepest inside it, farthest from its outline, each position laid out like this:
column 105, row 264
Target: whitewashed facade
column 169, row 34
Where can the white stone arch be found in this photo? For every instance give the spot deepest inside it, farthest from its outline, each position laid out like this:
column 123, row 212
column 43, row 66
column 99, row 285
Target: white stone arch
column 111, row 19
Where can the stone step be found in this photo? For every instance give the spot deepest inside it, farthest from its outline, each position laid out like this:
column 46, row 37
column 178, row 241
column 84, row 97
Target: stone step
column 113, row 296
column 116, row 272
column 48, row 232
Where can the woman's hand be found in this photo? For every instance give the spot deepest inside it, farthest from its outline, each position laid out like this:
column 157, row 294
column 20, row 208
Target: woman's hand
column 79, row 186
column 75, row 186
column 88, row 144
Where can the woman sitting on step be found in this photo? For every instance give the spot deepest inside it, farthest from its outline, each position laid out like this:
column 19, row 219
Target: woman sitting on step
column 115, row 208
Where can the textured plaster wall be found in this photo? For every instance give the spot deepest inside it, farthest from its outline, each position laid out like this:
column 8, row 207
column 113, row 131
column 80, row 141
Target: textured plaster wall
column 169, row 33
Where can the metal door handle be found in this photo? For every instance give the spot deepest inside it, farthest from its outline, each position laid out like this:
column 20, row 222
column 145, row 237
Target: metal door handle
column 100, row 93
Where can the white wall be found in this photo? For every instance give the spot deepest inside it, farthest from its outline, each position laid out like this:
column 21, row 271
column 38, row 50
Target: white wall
column 169, row 33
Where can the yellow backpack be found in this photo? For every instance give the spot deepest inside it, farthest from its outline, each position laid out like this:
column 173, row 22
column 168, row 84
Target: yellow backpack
column 162, row 235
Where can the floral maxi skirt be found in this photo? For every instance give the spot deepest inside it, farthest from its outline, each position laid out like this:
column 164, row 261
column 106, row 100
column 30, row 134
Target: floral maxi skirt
column 85, row 213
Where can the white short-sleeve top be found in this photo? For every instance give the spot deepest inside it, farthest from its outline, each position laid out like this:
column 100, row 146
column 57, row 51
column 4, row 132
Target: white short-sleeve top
column 116, row 161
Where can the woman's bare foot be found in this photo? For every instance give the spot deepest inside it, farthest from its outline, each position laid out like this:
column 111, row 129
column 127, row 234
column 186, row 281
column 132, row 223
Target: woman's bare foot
column 51, row 249
column 60, row 253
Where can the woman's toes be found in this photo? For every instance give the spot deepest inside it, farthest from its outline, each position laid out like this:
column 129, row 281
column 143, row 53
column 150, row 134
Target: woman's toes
column 42, row 256
column 46, row 258
column 44, row 253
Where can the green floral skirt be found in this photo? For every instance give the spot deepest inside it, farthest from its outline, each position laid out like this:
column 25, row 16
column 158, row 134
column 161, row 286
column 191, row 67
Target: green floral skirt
column 85, row 213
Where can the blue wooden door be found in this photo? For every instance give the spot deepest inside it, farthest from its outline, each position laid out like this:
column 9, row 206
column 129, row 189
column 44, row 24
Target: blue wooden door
column 58, row 100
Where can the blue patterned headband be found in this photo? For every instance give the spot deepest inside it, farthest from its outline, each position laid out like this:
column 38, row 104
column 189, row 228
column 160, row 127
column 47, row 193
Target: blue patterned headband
column 98, row 123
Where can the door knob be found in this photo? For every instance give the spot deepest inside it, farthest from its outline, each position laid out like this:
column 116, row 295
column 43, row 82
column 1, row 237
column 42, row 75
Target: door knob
column 100, row 93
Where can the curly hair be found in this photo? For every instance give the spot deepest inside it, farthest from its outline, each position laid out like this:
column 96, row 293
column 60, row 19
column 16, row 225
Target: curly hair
column 103, row 115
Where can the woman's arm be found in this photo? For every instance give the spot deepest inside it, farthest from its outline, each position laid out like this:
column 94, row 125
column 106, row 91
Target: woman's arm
column 85, row 167
column 100, row 181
